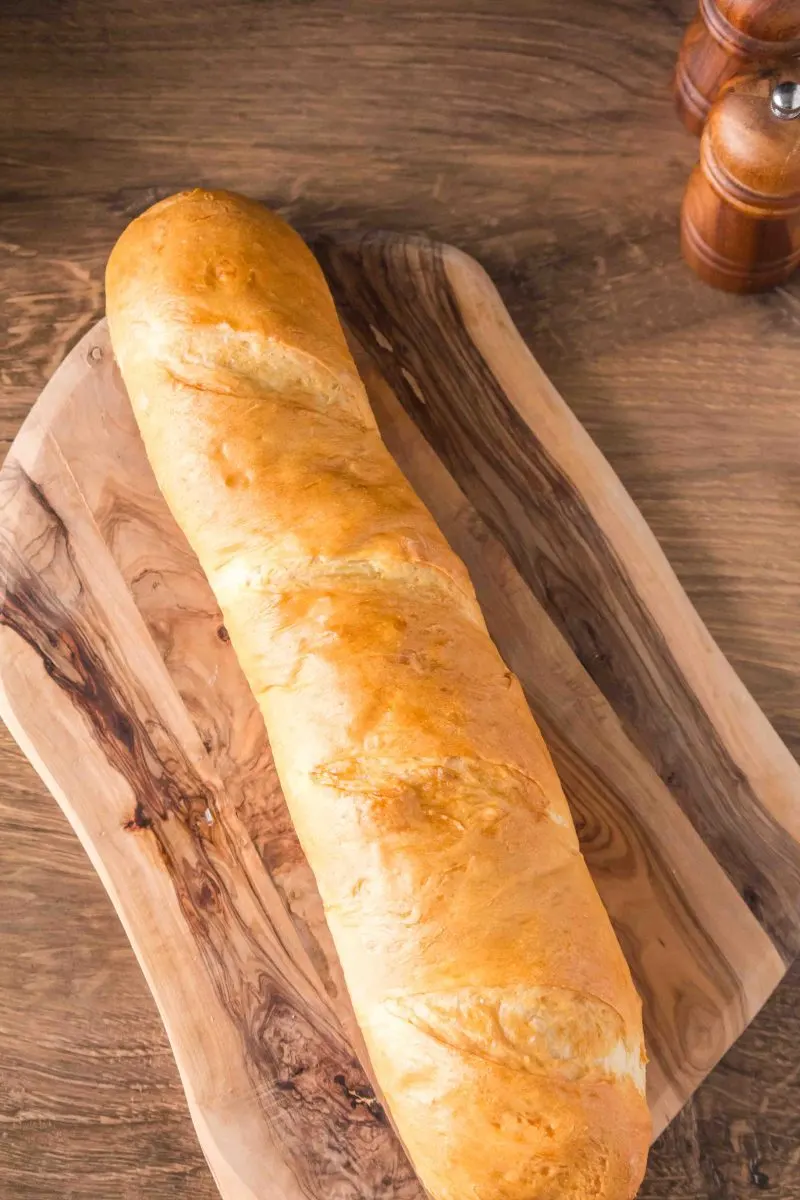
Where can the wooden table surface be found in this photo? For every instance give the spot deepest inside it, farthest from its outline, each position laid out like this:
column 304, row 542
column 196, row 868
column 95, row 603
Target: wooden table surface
column 539, row 136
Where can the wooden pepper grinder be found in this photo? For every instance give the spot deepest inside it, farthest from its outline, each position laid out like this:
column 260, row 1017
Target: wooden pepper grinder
column 725, row 38
column 740, row 221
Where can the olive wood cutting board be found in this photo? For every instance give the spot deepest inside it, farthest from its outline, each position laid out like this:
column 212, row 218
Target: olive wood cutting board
column 118, row 681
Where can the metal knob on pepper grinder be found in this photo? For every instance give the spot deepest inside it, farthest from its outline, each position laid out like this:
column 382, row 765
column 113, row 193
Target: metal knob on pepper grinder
column 726, row 38
column 785, row 100
column 740, row 220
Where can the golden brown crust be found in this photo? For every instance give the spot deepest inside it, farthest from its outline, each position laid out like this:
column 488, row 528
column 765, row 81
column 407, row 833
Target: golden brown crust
column 493, row 996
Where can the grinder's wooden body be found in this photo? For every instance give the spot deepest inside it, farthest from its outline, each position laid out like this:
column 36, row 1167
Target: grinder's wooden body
column 740, row 222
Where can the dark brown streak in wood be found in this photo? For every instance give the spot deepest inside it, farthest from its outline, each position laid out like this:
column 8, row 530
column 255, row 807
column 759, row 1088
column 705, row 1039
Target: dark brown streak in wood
column 533, row 509
column 261, row 808
column 306, row 1077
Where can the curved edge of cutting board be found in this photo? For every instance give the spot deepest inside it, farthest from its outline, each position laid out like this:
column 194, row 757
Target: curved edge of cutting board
column 117, row 679
column 641, row 583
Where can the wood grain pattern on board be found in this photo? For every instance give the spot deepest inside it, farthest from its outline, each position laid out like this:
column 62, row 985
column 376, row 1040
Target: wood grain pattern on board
column 118, row 681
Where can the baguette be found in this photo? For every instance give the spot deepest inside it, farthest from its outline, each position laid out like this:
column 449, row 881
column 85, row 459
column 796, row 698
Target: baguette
column 495, row 1002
